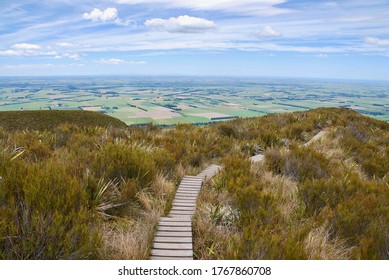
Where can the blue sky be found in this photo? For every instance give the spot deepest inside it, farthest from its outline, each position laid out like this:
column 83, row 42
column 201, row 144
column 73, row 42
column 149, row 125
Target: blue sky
column 281, row 38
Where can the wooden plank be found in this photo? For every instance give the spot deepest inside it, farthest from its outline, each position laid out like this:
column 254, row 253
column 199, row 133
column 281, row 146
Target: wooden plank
column 170, row 258
column 175, row 224
column 181, row 213
column 186, row 196
column 184, row 208
column 189, row 186
column 173, row 234
column 165, row 239
column 175, row 229
column 185, row 204
column 172, row 253
column 187, row 192
column 191, row 183
column 162, row 219
column 190, row 177
column 183, row 197
column 173, row 246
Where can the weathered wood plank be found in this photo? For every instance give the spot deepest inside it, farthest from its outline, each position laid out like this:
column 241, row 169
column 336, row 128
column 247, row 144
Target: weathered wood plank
column 175, row 224
column 184, row 204
column 173, row 234
column 187, row 196
column 188, row 191
column 187, row 199
column 175, row 229
column 173, row 239
column 184, row 208
column 166, row 239
column 170, row 258
column 181, row 213
column 173, row 246
column 172, row 253
column 169, row 219
column 189, row 186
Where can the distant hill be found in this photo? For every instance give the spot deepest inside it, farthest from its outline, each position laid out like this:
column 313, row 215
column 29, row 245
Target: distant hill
column 50, row 119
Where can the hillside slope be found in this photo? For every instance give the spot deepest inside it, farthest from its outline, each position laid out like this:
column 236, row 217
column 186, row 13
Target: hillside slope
column 50, row 119
column 96, row 192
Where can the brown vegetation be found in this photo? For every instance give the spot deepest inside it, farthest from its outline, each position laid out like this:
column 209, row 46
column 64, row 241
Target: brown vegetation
column 86, row 191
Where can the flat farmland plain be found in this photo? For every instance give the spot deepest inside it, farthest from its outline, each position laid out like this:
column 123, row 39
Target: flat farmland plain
column 172, row 100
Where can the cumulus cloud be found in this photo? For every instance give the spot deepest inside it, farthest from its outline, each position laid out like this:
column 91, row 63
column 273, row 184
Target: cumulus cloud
column 109, row 14
column 25, row 46
column 267, row 32
column 181, row 24
column 377, row 42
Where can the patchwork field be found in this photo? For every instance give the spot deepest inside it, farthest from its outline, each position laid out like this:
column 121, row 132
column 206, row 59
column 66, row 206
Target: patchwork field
column 172, row 100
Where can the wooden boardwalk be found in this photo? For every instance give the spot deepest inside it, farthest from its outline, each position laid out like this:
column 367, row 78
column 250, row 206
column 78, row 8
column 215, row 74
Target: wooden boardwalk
column 173, row 239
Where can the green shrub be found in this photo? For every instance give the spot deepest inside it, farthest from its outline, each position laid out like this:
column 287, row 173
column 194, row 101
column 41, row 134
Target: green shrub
column 44, row 213
column 115, row 162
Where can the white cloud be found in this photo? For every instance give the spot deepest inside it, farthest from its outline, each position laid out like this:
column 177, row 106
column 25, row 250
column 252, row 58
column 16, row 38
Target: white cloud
column 10, row 53
column 331, row 4
column 25, row 46
column 117, row 61
column 322, row 55
column 137, row 62
column 109, row 14
column 267, row 32
column 68, row 55
column 377, row 42
column 181, row 24
column 112, row 61
column 65, row 45
column 262, row 7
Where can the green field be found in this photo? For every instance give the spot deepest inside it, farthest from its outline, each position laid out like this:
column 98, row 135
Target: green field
column 172, row 100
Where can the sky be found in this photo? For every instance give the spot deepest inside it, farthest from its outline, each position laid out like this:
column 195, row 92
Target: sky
column 344, row 39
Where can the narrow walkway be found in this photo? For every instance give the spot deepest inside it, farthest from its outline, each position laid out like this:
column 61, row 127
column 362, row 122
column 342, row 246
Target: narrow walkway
column 173, row 239
column 260, row 157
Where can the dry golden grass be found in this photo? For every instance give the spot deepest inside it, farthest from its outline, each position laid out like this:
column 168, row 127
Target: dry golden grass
column 319, row 245
column 211, row 233
column 131, row 239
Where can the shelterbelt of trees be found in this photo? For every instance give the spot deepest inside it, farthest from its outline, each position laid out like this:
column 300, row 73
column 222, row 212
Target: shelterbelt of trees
column 89, row 187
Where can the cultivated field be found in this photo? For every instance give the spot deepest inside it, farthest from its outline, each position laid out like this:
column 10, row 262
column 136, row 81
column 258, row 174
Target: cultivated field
column 172, row 100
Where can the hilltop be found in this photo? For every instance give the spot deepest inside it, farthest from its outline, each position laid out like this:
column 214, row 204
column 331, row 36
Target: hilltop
column 81, row 188
column 50, row 119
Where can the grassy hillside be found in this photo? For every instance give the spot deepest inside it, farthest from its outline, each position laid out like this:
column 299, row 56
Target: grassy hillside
column 91, row 192
column 50, row 119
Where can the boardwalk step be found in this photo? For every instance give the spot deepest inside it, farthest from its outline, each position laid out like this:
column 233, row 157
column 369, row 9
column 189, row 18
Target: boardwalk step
column 173, row 234
column 184, row 208
column 168, row 219
column 170, row 258
column 173, row 246
column 175, row 224
column 184, row 204
column 166, row 239
column 172, row 253
column 175, row 229
column 173, row 239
